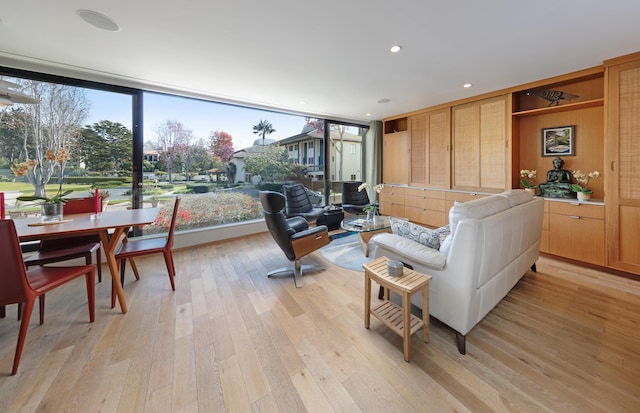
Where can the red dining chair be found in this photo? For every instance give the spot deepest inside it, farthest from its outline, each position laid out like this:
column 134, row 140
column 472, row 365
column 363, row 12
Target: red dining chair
column 22, row 286
column 57, row 250
column 137, row 248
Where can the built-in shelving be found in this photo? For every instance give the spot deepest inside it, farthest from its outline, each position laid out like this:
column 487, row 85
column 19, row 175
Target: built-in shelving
column 396, row 125
column 561, row 108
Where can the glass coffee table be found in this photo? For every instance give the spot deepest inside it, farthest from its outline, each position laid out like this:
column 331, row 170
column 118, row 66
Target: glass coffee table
column 366, row 229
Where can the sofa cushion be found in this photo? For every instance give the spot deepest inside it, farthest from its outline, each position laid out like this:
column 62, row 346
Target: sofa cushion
column 478, row 208
column 517, row 196
column 415, row 232
column 410, row 251
column 443, row 232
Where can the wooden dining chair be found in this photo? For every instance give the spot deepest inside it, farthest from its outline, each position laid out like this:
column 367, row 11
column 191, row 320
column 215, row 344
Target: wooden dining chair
column 82, row 246
column 131, row 249
column 22, row 286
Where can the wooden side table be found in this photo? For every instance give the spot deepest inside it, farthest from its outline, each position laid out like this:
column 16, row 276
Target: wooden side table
column 399, row 319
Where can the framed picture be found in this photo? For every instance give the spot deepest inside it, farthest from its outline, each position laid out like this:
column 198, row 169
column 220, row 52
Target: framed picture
column 558, row 141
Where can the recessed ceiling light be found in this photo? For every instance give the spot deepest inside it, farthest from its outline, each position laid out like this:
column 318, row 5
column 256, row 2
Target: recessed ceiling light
column 384, row 100
column 395, row 48
column 368, row 114
column 98, row 20
column 302, row 102
column 467, row 85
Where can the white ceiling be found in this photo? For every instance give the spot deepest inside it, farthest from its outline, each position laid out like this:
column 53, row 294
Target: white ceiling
column 332, row 54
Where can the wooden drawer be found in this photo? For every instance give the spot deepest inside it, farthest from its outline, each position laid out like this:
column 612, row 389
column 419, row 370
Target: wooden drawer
column 426, row 217
column 425, row 193
column 452, row 197
column 577, row 237
column 544, row 241
column 577, row 209
column 392, row 209
column 392, row 194
column 425, row 203
column 545, row 221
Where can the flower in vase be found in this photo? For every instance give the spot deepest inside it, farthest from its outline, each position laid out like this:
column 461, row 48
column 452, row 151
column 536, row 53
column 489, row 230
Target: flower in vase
column 583, row 181
column 377, row 189
column 528, row 178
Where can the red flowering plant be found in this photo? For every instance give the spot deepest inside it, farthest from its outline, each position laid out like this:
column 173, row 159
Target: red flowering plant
column 39, row 174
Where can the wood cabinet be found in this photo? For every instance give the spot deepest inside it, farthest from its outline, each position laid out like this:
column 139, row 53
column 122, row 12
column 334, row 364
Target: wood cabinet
column 481, row 151
column 576, row 231
column 430, row 135
column 392, row 201
column 453, row 197
column 544, row 234
column 491, row 138
column 395, row 152
column 622, row 194
column 425, row 206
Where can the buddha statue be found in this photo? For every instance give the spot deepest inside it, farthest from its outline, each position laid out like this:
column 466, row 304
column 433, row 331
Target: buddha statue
column 558, row 183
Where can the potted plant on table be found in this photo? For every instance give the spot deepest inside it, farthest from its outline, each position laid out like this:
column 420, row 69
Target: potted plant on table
column 52, row 207
column 527, row 180
column 582, row 187
column 372, row 208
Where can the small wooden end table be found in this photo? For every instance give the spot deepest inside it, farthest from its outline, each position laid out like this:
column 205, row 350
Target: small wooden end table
column 399, row 319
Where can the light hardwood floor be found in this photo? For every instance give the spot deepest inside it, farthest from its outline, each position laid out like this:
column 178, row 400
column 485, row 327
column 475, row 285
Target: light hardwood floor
column 565, row 339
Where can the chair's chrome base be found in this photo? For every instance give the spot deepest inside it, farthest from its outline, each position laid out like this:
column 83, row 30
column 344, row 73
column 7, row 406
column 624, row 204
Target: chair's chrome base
column 297, row 270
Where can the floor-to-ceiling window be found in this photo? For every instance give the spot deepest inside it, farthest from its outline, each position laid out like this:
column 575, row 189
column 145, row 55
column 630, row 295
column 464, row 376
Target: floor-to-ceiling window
column 141, row 149
column 218, row 155
column 66, row 137
column 345, row 154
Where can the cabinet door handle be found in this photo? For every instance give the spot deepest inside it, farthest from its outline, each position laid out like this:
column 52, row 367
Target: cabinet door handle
column 574, row 216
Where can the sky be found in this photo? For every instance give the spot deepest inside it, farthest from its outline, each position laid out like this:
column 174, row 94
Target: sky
column 200, row 117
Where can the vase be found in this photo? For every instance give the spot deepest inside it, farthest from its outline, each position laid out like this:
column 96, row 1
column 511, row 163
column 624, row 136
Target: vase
column 370, row 215
column 582, row 197
column 51, row 212
column 532, row 190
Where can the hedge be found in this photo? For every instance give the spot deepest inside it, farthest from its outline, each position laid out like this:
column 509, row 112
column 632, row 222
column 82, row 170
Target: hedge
column 96, row 180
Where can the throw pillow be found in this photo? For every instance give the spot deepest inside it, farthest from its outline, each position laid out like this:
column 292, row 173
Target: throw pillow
column 443, row 233
column 415, row 232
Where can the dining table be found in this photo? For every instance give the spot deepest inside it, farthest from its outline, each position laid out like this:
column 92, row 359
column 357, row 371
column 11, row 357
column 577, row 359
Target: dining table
column 111, row 226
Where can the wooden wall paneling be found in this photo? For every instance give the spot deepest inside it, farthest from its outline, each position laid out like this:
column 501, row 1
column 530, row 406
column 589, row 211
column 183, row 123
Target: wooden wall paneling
column 466, row 146
column 430, row 149
column 440, row 149
column 623, row 151
column 395, row 158
column 419, row 160
column 493, row 144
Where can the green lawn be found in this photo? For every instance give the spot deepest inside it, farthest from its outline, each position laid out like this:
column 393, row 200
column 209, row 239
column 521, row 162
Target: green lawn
column 27, row 189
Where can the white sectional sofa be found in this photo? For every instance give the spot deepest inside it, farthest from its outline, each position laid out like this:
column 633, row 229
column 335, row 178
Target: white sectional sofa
column 494, row 241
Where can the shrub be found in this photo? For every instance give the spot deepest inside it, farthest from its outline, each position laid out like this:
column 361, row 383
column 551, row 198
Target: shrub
column 271, row 186
column 214, row 208
column 199, row 188
column 114, row 180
